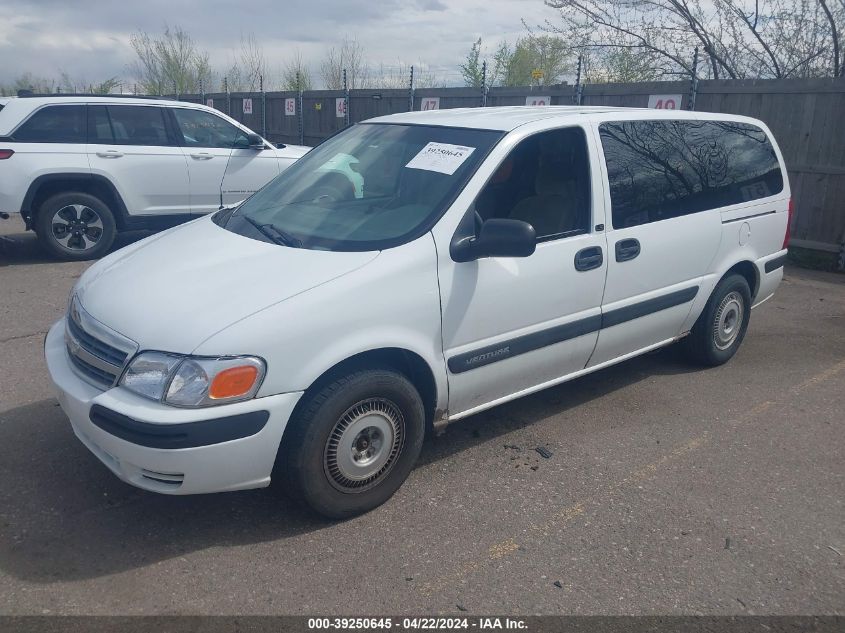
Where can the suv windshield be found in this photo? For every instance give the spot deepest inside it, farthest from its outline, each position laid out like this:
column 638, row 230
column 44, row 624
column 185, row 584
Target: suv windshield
column 370, row 187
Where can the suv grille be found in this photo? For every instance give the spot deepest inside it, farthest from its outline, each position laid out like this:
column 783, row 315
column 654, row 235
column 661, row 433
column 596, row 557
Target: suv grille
column 98, row 353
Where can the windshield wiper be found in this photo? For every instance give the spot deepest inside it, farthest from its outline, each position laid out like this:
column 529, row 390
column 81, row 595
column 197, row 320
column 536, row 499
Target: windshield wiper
column 274, row 233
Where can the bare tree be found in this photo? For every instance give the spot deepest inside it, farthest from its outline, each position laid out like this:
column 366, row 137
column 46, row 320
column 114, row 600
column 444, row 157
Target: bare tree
column 296, row 75
column 249, row 66
column 738, row 38
column 400, row 76
column 169, row 63
column 350, row 56
column 28, row 81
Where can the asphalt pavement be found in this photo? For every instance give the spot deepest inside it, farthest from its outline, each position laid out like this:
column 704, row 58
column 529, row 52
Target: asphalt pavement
column 668, row 490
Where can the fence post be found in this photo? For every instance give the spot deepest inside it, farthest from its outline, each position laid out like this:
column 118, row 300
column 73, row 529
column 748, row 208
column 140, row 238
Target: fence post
column 345, row 101
column 693, row 84
column 576, row 96
column 202, row 92
column 411, row 91
column 228, row 96
column 176, row 91
column 299, row 113
column 484, row 84
column 263, row 106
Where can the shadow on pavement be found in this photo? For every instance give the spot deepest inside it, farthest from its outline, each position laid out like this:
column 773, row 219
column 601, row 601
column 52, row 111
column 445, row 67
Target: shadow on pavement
column 23, row 248
column 64, row 516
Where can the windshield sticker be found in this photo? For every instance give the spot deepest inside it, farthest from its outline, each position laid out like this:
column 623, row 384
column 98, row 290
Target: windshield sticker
column 440, row 157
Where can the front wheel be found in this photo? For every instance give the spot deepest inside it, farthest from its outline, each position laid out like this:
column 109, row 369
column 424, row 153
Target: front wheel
column 75, row 226
column 719, row 331
column 352, row 443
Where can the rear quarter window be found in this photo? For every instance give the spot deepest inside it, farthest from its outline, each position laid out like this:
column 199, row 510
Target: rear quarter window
column 54, row 124
column 664, row 169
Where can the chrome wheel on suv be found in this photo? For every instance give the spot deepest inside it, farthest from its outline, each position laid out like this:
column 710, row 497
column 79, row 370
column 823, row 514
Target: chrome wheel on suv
column 75, row 225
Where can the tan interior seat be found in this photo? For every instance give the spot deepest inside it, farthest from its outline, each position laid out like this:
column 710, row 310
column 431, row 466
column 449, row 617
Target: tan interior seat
column 553, row 209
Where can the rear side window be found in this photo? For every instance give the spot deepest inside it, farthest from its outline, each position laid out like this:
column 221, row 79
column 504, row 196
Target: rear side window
column 54, row 124
column 128, row 125
column 664, row 169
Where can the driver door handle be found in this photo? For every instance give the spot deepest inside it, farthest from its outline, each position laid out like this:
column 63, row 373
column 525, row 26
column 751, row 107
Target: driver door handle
column 112, row 153
column 202, row 156
column 589, row 258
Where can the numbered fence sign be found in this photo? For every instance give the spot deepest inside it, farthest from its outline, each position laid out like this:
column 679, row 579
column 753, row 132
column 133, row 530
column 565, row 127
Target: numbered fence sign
column 430, row 103
column 209, row 103
column 665, row 102
column 247, row 106
column 290, row 107
column 340, row 107
column 538, row 101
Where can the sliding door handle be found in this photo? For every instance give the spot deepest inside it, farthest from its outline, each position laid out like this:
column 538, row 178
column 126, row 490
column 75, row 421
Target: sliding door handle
column 627, row 249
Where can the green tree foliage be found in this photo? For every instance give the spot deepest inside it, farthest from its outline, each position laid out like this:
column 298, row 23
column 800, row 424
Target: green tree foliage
column 171, row 62
column 471, row 69
column 513, row 66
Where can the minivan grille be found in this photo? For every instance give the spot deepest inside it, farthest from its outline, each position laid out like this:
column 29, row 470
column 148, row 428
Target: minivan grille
column 97, row 353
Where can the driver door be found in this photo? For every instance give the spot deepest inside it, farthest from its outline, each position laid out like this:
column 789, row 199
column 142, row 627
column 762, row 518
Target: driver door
column 218, row 162
column 513, row 325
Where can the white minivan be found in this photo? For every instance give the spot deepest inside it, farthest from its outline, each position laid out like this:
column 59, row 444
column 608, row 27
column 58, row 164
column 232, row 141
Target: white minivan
column 315, row 333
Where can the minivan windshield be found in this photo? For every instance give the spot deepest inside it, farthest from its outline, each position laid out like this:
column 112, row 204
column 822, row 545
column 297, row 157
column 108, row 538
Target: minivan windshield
column 370, row 187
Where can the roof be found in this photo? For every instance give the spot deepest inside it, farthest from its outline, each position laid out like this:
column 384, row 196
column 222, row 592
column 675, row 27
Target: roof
column 507, row 118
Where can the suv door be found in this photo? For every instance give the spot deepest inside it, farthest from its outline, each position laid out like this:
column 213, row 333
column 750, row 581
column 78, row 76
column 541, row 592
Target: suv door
column 134, row 147
column 513, row 324
column 664, row 229
column 220, row 160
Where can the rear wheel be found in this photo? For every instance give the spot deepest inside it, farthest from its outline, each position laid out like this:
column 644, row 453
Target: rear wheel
column 353, row 442
column 720, row 329
column 75, row 226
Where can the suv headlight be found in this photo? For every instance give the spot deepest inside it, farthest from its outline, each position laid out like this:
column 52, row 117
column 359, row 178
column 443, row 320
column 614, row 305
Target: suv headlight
column 192, row 381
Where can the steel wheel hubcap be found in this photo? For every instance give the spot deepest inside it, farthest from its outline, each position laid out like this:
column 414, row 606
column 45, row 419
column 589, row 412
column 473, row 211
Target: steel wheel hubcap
column 77, row 227
column 728, row 320
column 364, row 445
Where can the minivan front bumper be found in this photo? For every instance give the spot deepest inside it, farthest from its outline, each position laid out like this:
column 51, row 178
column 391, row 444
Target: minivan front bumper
column 166, row 449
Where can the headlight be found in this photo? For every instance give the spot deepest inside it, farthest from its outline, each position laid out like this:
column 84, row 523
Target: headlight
column 189, row 381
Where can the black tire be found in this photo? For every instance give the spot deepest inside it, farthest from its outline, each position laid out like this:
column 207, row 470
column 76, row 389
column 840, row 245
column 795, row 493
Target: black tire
column 308, row 462
column 75, row 226
column 714, row 338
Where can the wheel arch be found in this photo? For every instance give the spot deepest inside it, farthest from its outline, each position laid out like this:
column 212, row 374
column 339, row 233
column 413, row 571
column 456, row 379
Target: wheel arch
column 748, row 270
column 51, row 184
column 406, row 362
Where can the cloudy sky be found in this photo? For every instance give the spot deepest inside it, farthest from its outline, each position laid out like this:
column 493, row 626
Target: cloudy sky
column 89, row 39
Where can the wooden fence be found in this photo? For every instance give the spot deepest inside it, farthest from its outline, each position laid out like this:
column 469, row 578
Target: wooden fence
column 807, row 117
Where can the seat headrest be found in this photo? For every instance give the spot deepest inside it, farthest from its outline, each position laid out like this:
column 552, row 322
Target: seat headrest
column 550, row 183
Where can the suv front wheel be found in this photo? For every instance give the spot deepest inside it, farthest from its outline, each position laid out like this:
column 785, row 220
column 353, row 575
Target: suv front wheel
column 75, row 226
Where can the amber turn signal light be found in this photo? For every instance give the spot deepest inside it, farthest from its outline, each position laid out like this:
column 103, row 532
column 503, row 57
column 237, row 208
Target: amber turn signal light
column 233, row 382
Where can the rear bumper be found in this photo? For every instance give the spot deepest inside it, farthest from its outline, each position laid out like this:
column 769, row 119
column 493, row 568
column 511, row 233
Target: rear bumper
column 770, row 274
column 165, row 449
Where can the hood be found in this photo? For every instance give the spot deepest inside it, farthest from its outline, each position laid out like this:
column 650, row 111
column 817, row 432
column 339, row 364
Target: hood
column 174, row 290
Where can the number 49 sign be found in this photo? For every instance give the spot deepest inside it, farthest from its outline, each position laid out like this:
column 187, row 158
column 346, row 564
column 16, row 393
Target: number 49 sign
column 665, row 102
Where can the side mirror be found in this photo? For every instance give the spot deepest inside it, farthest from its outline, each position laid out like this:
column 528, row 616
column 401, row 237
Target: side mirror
column 255, row 141
column 496, row 238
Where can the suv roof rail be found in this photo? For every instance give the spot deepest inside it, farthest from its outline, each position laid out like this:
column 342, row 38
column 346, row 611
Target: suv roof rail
column 24, row 94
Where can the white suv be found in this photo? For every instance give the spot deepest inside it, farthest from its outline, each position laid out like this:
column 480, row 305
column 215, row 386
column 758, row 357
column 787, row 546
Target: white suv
column 314, row 333
column 79, row 169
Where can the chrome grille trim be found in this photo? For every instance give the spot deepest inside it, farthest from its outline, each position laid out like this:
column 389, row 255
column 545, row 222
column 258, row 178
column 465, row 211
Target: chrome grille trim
column 97, row 353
